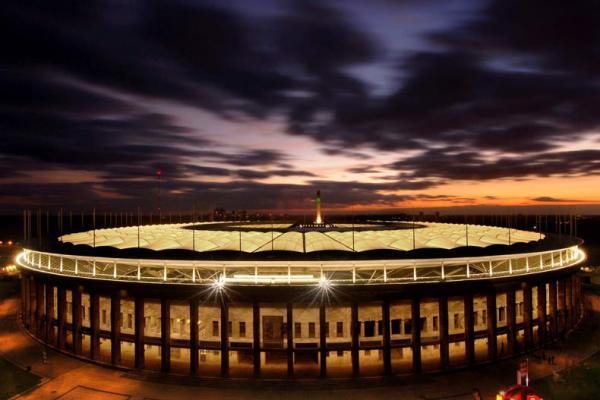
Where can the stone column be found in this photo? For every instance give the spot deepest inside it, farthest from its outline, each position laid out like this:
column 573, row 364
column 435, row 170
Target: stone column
column 322, row 340
column 115, row 327
column 32, row 305
column 95, row 325
column 355, row 332
column 387, row 341
column 511, row 321
column 39, row 309
column 140, row 325
column 553, row 309
column 527, row 311
column 224, row 338
column 561, row 306
column 194, row 336
column 49, row 313
column 443, row 318
column 76, row 318
column 541, row 310
column 25, row 300
column 290, row 339
column 416, row 334
column 256, row 337
column 577, row 297
column 492, row 319
column 165, row 335
column 61, row 312
column 469, row 329
column 569, row 301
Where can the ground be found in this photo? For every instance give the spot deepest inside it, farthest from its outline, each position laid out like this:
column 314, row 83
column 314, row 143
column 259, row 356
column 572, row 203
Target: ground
column 13, row 380
column 64, row 377
column 580, row 382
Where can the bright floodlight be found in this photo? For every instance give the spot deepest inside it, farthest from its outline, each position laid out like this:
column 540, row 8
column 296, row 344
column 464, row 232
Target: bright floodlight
column 324, row 283
column 219, row 283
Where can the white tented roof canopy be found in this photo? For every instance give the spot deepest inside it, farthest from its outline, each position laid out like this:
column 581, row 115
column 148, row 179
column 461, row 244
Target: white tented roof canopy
column 180, row 236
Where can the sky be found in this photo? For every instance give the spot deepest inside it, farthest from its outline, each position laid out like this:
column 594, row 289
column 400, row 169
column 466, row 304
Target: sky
column 381, row 105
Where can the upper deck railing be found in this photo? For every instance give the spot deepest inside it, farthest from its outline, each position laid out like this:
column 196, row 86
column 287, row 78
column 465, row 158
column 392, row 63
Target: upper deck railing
column 300, row 272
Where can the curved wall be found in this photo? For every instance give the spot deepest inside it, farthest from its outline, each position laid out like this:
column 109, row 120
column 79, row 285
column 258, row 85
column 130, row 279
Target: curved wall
column 300, row 331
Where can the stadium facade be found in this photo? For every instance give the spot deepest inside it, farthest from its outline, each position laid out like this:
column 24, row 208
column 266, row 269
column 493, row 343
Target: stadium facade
column 292, row 301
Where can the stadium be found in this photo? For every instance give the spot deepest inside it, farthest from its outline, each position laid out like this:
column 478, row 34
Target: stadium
column 290, row 300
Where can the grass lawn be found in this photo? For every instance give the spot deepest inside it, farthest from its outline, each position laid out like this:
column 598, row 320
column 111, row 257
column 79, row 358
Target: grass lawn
column 581, row 382
column 13, row 380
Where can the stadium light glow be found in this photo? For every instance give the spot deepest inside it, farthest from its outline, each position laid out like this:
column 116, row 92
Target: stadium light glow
column 324, row 283
column 219, row 283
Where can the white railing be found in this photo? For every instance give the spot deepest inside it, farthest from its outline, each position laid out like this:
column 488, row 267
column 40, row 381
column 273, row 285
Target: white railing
column 300, row 272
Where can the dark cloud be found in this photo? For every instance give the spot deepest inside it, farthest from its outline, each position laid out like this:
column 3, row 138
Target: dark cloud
column 548, row 199
column 457, row 163
column 253, row 174
column 68, row 69
column 177, row 195
column 365, row 169
column 495, row 99
column 472, row 96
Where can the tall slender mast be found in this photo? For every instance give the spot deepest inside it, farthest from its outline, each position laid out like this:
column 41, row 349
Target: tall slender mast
column 318, row 219
column 158, row 176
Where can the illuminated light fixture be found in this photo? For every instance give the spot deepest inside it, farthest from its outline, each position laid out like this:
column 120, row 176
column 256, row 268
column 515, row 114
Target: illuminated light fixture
column 219, row 283
column 324, row 283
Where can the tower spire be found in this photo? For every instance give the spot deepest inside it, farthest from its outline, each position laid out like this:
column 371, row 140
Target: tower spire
column 319, row 218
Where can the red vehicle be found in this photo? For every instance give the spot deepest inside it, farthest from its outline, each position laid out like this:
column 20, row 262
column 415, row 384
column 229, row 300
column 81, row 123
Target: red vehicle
column 519, row 392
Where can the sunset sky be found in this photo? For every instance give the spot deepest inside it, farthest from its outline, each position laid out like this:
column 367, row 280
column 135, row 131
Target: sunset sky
column 382, row 105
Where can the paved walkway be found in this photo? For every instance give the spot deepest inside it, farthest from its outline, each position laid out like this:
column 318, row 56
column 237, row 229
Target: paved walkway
column 70, row 378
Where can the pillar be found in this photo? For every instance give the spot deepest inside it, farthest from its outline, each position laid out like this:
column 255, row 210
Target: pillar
column 469, row 329
column 355, row 332
column 224, row 338
column 561, row 306
column 39, row 309
column 61, row 314
column 511, row 321
column 290, row 339
column 443, row 318
column 140, row 323
column 49, row 313
column 416, row 334
column 569, row 301
column 95, row 325
column 76, row 318
column 387, row 341
column 25, row 300
column 575, row 301
column 322, row 340
column 32, row 303
column 194, row 335
column 492, row 320
column 115, row 327
column 577, row 297
column 553, row 309
column 256, row 337
column 541, row 311
column 527, row 311
column 165, row 335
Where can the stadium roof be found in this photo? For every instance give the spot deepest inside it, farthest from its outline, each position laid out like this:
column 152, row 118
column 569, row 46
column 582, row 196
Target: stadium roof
column 182, row 236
